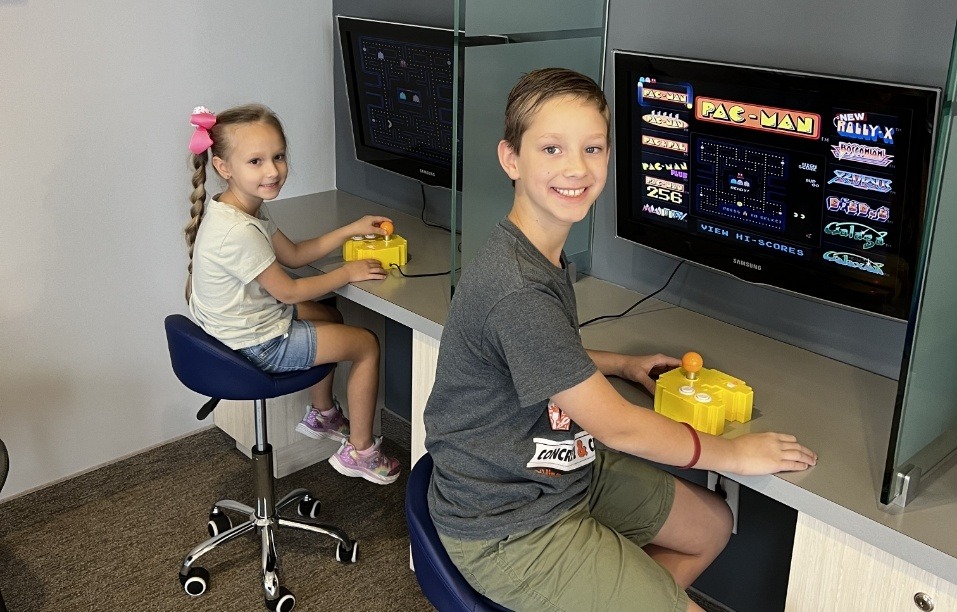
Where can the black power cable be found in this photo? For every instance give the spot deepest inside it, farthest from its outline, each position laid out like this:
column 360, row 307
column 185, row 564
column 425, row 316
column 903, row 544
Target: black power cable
column 632, row 307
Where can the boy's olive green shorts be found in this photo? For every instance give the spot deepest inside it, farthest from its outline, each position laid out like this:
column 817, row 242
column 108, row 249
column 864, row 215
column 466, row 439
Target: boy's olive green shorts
column 591, row 557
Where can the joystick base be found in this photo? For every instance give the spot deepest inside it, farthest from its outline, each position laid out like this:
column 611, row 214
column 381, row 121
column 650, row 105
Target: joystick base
column 388, row 252
column 706, row 402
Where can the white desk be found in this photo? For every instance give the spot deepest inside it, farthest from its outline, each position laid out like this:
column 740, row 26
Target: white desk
column 840, row 411
column 844, row 414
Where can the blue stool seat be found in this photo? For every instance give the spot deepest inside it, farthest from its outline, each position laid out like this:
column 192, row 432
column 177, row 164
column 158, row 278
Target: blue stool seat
column 441, row 582
column 207, row 366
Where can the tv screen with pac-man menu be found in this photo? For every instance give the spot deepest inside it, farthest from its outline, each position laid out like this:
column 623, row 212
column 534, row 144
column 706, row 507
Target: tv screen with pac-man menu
column 809, row 183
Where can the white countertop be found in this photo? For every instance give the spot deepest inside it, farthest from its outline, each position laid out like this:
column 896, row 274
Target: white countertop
column 842, row 412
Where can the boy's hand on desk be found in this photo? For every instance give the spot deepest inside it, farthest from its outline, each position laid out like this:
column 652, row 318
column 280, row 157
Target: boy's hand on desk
column 767, row 453
column 368, row 224
column 364, row 269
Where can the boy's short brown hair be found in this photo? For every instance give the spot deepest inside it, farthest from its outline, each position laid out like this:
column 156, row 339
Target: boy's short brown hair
column 537, row 87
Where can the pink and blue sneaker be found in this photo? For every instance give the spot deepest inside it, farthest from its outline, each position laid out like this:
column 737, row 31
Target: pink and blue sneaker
column 371, row 463
column 331, row 424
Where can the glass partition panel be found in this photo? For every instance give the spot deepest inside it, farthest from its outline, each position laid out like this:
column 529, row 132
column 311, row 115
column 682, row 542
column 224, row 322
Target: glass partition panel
column 924, row 431
column 496, row 42
column 510, row 17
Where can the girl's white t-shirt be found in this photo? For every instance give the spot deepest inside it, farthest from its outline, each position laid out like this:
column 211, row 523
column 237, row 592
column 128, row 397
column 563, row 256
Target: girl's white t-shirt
column 231, row 250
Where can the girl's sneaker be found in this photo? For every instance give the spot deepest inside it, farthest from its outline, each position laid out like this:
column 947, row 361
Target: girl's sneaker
column 334, row 426
column 371, row 464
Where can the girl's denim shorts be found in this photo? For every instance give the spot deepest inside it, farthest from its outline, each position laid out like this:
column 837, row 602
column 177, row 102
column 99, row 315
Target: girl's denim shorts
column 295, row 350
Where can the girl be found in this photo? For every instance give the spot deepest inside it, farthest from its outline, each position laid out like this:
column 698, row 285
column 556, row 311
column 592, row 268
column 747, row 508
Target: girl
column 239, row 293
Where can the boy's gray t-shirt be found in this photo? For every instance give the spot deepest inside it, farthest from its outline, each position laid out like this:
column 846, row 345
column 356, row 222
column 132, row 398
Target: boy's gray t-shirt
column 506, row 461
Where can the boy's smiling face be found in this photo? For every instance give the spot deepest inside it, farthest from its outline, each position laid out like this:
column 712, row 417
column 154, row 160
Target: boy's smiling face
column 563, row 163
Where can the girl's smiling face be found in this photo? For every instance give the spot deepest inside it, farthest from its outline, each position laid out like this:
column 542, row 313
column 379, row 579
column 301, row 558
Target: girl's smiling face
column 255, row 167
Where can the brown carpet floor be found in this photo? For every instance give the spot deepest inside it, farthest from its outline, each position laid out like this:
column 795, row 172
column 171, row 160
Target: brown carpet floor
column 113, row 539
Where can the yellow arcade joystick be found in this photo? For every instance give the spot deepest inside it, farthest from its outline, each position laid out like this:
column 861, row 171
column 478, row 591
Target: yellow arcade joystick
column 703, row 397
column 390, row 250
column 691, row 363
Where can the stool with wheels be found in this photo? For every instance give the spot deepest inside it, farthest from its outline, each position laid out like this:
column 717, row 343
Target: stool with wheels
column 210, row 368
column 442, row 583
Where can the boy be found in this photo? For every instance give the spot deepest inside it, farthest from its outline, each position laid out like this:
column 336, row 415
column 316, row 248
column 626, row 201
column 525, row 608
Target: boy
column 532, row 514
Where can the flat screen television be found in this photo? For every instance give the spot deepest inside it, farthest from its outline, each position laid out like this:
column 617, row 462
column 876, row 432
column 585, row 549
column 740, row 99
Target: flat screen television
column 809, row 183
column 400, row 92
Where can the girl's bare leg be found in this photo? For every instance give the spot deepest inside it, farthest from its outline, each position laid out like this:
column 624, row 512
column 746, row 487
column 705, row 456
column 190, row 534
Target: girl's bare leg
column 337, row 342
column 321, row 392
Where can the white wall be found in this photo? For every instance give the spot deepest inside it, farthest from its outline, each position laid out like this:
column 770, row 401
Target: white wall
column 95, row 98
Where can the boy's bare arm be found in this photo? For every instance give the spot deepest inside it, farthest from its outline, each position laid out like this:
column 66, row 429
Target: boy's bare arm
column 636, row 368
column 599, row 409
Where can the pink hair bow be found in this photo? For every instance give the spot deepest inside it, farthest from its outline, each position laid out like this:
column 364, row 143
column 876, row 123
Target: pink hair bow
column 203, row 119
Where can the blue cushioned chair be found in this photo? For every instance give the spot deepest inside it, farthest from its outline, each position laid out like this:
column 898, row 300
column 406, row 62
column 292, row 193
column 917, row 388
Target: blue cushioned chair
column 440, row 580
column 210, row 368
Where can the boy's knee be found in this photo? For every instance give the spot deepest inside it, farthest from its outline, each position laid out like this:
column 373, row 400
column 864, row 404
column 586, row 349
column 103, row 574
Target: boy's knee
column 716, row 515
column 724, row 522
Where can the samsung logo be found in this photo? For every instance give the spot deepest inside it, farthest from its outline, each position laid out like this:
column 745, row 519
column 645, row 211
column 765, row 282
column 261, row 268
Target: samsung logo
column 746, row 264
column 426, row 172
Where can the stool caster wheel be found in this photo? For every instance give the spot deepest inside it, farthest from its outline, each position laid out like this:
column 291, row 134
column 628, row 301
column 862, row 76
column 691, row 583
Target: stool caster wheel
column 195, row 582
column 286, row 601
column 218, row 523
column 309, row 507
column 347, row 555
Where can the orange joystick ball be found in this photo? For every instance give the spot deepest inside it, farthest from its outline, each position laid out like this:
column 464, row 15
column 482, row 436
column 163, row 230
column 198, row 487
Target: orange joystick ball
column 691, row 363
column 387, row 227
